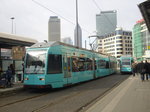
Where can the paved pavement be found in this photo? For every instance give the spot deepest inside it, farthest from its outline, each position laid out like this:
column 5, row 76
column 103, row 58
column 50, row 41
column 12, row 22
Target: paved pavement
column 16, row 87
column 132, row 95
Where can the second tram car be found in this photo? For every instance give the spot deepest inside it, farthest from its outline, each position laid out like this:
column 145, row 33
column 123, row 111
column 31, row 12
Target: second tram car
column 126, row 64
column 56, row 65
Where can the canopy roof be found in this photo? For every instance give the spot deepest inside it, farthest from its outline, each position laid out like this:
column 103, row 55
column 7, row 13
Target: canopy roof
column 10, row 40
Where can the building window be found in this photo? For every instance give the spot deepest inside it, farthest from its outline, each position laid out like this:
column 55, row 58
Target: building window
column 118, row 41
column 118, row 56
column 120, row 37
column 119, row 45
column 119, row 49
column 119, row 52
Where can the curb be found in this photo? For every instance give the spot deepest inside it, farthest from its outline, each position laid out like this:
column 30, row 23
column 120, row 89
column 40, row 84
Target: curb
column 7, row 91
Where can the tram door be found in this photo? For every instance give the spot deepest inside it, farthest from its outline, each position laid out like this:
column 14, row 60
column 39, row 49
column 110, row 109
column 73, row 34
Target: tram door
column 67, row 68
column 94, row 68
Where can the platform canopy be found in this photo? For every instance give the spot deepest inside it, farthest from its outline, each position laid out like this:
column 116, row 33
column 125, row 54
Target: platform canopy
column 11, row 40
column 145, row 10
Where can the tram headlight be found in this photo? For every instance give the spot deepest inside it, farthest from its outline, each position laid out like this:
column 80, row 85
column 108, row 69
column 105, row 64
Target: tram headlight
column 41, row 79
column 26, row 79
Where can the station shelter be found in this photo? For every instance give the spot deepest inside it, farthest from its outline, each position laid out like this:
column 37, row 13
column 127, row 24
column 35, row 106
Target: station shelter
column 12, row 51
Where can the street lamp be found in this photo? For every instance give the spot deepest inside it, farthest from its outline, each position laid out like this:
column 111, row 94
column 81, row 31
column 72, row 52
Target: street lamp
column 12, row 18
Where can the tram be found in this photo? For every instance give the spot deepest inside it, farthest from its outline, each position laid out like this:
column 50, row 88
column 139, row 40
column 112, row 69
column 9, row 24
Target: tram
column 126, row 64
column 56, row 65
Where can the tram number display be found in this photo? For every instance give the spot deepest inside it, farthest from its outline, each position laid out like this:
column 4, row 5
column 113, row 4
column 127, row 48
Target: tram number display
column 126, row 62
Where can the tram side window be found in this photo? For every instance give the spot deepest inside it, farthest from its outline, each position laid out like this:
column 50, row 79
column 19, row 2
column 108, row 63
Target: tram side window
column 81, row 64
column 107, row 64
column 112, row 64
column 89, row 64
column 78, row 64
column 54, row 64
column 75, row 67
column 102, row 64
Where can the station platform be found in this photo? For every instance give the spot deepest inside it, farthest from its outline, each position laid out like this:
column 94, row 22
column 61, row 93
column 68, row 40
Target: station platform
column 15, row 87
column 132, row 95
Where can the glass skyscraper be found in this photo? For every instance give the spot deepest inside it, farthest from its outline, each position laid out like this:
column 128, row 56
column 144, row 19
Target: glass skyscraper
column 106, row 22
column 141, row 40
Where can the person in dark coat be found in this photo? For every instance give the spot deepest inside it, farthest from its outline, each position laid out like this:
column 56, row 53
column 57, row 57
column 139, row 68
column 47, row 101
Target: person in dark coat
column 142, row 70
column 138, row 68
column 134, row 68
column 147, row 69
column 9, row 76
column 12, row 68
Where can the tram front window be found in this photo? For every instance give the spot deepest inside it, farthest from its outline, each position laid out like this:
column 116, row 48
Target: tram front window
column 35, row 62
column 126, row 64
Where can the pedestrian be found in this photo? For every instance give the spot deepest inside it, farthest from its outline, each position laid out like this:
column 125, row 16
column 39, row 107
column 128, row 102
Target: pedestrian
column 142, row 70
column 9, row 76
column 13, row 72
column 147, row 69
column 134, row 66
column 0, row 71
column 22, row 72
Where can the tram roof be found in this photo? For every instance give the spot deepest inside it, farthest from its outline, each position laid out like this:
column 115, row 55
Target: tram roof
column 10, row 40
column 54, row 43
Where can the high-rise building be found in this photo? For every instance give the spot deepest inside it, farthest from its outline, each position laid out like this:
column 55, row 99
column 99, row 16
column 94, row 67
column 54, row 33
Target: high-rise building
column 117, row 43
column 78, row 39
column 67, row 40
column 141, row 40
column 106, row 22
column 54, row 30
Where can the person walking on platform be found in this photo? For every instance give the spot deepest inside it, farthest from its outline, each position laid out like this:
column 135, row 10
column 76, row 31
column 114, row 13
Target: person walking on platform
column 9, row 76
column 12, row 68
column 141, row 69
column 147, row 69
column 134, row 70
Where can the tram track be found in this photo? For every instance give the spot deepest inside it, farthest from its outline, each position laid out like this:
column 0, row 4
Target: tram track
column 73, row 99
column 74, row 95
column 52, row 103
column 22, row 100
column 58, row 101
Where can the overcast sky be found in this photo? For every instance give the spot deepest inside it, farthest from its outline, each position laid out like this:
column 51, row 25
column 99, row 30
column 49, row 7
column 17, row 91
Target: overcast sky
column 31, row 20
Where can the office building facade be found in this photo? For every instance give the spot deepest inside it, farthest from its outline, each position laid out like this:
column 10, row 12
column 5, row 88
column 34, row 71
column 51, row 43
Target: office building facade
column 116, row 44
column 141, row 41
column 106, row 22
column 54, row 29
